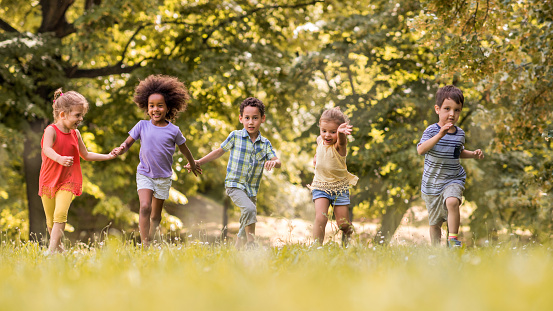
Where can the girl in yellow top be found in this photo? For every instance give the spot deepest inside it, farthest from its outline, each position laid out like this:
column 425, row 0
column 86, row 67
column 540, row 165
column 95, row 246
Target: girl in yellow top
column 332, row 180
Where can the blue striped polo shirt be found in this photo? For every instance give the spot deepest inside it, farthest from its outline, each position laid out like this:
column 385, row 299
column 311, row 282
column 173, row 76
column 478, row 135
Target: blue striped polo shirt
column 441, row 164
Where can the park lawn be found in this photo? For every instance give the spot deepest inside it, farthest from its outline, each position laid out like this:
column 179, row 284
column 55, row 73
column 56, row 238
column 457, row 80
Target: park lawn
column 114, row 275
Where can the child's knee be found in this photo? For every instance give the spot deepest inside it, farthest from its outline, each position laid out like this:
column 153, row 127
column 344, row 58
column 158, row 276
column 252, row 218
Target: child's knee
column 145, row 209
column 321, row 218
column 60, row 218
column 452, row 202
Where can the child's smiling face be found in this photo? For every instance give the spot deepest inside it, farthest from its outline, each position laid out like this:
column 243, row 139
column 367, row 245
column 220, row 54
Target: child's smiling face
column 72, row 119
column 449, row 112
column 157, row 109
column 251, row 119
column 329, row 131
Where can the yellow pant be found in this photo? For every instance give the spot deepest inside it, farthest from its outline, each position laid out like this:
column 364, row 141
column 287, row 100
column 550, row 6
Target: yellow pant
column 56, row 208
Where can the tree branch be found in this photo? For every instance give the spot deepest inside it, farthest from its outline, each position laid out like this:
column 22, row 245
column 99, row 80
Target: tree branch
column 53, row 17
column 250, row 12
column 7, row 27
column 75, row 73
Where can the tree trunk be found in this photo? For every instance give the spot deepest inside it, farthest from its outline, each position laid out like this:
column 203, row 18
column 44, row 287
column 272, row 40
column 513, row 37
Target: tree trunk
column 391, row 221
column 32, row 162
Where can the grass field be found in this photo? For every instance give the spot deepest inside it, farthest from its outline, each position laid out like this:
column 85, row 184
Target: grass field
column 114, row 275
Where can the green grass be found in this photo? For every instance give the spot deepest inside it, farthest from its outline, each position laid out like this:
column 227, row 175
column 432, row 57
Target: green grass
column 115, row 275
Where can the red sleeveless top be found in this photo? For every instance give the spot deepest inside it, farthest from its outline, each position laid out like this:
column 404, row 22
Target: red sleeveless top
column 54, row 176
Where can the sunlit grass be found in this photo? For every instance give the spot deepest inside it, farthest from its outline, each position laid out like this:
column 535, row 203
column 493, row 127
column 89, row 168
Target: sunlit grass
column 115, row 275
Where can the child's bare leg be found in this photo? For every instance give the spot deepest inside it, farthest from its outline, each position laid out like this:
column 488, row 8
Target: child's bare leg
column 250, row 233
column 155, row 217
column 56, row 234
column 341, row 212
column 240, row 242
column 435, row 234
column 321, row 218
column 453, row 214
column 145, row 198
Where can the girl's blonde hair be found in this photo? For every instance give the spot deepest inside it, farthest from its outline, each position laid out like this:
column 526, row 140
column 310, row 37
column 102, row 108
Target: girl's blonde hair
column 334, row 115
column 65, row 101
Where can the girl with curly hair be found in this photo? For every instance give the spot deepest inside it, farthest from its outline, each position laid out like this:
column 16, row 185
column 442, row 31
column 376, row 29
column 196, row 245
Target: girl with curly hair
column 162, row 98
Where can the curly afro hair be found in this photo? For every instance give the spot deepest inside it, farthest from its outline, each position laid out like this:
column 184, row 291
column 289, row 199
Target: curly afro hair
column 173, row 91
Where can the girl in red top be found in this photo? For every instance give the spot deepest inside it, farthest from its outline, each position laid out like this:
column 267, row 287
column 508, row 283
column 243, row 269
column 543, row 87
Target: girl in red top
column 60, row 174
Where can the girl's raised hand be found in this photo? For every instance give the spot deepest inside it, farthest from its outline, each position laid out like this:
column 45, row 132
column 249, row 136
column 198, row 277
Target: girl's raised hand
column 345, row 128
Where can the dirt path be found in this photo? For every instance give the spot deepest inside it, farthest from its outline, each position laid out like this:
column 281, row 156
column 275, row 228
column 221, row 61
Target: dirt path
column 202, row 218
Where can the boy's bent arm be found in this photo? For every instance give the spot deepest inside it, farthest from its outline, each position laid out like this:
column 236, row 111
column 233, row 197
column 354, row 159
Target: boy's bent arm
column 213, row 155
column 476, row 154
column 429, row 144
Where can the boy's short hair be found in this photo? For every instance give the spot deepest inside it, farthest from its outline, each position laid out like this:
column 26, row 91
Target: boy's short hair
column 449, row 92
column 252, row 102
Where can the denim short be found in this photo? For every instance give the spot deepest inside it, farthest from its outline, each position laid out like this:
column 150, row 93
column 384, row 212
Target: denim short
column 160, row 186
column 335, row 199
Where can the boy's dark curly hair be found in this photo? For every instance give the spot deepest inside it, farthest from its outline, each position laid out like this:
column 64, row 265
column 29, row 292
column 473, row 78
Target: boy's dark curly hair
column 173, row 91
column 253, row 102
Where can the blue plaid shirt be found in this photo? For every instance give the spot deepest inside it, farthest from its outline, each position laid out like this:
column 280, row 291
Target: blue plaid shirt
column 246, row 161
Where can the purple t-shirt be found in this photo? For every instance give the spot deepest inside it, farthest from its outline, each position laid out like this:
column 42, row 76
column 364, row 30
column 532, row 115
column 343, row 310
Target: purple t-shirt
column 157, row 145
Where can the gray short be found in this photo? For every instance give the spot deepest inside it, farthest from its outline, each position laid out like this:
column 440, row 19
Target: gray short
column 248, row 208
column 435, row 204
column 160, row 186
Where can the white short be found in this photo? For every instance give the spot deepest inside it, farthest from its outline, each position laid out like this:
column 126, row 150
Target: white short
column 160, row 186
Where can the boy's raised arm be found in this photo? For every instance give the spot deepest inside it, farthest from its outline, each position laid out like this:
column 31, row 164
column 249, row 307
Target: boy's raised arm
column 430, row 143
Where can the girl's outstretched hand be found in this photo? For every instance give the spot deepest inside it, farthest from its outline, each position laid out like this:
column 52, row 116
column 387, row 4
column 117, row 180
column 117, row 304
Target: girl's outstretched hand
column 345, row 128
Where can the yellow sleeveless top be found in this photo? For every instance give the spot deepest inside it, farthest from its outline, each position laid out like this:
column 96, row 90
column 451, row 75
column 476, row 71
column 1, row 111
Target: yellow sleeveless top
column 331, row 171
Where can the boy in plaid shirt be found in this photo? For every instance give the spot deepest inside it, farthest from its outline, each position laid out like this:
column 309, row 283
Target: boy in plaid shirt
column 250, row 153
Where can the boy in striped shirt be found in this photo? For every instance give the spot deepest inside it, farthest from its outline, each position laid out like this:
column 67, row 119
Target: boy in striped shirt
column 250, row 153
column 443, row 178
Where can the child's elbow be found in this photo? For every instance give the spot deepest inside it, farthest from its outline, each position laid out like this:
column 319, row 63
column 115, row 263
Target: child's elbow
column 420, row 151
